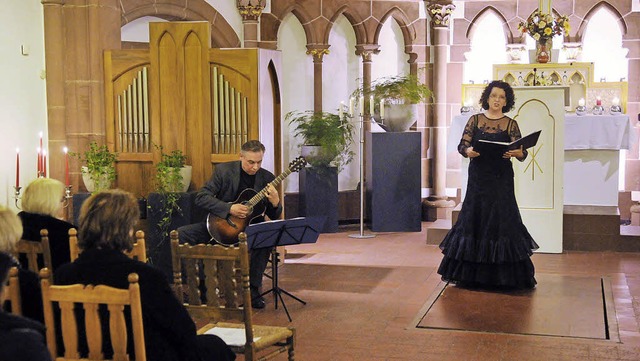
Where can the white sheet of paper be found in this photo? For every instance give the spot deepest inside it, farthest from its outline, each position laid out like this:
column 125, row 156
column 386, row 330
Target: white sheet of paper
column 231, row 336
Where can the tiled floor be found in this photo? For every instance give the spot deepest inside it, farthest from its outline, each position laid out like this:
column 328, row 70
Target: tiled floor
column 363, row 297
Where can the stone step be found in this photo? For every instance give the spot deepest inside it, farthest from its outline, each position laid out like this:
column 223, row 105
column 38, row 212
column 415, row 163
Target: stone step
column 437, row 230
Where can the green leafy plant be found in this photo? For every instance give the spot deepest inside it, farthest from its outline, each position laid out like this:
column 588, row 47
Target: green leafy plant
column 398, row 89
column 326, row 130
column 168, row 184
column 100, row 165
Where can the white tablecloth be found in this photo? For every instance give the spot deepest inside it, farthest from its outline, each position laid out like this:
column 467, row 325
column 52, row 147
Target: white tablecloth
column 580, row 132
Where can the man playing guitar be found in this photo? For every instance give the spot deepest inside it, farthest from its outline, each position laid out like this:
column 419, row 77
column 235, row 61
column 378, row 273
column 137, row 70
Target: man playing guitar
column 224, row 187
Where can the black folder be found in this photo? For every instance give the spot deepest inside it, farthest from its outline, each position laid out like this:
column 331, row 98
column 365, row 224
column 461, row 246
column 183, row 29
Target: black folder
column 501, row 147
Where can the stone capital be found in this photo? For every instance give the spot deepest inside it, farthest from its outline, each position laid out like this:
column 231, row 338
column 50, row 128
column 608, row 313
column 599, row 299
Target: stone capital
column 366, row 50
column 250, row 10
column 318, row 51
column 440, row 14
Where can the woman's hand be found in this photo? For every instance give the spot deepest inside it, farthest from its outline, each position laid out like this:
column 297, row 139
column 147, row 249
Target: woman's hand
column 518, row 153
column 471, row 153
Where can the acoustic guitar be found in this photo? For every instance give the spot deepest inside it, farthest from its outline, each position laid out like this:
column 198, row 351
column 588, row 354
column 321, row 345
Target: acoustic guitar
column 225, row 231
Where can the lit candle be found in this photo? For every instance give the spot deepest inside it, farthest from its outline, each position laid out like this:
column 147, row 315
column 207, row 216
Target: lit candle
column 340, row 110
column 598, row 101
column 615, row 101
column 361, row 105
column 382, row 108
column 39, row 164
column 581, row 102
column 371, row 105
column 17, row 167
column 44, row 163
column 351, row 101
column 66, row 166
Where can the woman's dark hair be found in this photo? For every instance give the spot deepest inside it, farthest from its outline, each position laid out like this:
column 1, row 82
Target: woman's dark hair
column 107, row 220
column 508, row 90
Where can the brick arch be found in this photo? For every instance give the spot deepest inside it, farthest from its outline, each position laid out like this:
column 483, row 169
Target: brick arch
column 222, row 34
column 270, row 23
column 356, row 23
column 597, row 7
column 490, row 9
column 406, row 26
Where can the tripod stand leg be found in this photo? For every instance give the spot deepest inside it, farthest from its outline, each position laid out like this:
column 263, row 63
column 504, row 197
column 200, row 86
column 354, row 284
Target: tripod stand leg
column 292, row 296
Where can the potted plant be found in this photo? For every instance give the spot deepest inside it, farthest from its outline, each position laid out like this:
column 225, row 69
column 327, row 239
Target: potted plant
column 326, row 145
column 172, row 177
column 326, row 139
column 99, row 170
column 400, row 95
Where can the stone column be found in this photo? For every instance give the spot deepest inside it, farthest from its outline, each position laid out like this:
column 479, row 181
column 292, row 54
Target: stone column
column 366, row 51
column 250, row 10
column 75, row 75
column 317, row 51
column 440, row 17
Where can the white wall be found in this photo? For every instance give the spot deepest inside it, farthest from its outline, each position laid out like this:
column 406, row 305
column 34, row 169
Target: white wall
column 23, row 112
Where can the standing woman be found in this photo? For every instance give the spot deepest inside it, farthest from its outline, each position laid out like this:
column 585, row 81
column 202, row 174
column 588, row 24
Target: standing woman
column 42, row 208
column 489, row 246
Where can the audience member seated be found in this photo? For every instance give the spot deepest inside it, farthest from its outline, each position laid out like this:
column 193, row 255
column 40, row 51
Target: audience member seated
column 42, row 208
column 29, row 284
column 106, row 229
column 21, row 339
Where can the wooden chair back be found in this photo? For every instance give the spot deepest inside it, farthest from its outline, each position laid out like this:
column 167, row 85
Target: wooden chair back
column 12, row 291
column 90, row 298
column 32, row 249
column 225, row 274
column 138, row 252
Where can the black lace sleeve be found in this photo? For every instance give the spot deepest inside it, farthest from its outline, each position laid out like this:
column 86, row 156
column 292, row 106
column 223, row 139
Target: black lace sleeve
column 514, row 134
column 467, row 135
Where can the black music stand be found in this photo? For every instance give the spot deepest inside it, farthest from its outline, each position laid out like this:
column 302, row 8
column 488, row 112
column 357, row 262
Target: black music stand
column 283, row 232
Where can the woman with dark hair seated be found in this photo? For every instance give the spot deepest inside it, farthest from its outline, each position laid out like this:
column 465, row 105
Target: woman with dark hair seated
column 106, row 229
column 21, row 339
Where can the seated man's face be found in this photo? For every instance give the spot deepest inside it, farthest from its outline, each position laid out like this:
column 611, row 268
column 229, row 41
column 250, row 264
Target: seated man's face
column 251, row 161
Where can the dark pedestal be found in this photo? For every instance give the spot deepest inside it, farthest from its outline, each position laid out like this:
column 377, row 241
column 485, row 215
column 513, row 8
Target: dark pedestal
column 319, row 196
column 78, row 199
column 158, row 245
column 393, row 181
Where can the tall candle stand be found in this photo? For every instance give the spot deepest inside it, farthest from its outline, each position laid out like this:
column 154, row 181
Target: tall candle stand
column 361, row 155
column 16, row 195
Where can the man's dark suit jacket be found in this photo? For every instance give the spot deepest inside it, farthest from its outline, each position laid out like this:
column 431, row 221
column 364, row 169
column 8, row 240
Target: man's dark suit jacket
column 170, row 333
column 58, row 230
column 222, row 188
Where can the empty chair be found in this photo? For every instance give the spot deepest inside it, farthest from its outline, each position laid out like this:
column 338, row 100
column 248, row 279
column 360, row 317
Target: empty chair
column 225, row 299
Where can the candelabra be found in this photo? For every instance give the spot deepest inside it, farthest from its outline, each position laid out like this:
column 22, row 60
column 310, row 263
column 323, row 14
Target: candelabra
column 16, row 195
column 615, row 109
column 361, row 156
column 67, row 195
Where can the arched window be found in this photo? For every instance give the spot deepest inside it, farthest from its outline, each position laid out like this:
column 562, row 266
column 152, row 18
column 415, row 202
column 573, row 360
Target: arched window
column 391, row 60
column 602, row 45
column 488, row 47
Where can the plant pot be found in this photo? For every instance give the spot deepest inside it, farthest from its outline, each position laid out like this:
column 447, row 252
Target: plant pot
column 185, row 172
column 95, row 183
column 315, row 155
column 543, row 50
column 400, row 117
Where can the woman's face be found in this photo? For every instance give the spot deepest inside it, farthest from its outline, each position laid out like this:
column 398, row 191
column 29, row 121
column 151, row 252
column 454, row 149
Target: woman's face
column 497, row 99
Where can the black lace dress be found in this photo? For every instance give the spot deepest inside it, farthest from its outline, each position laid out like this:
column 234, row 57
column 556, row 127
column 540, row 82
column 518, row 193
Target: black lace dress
column 489, row 246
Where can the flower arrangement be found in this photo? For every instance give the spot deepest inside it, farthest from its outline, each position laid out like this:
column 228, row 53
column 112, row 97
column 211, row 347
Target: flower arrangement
column 544, row 26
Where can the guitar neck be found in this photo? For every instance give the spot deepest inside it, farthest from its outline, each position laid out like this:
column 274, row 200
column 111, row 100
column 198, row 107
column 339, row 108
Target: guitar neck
column 263, row 193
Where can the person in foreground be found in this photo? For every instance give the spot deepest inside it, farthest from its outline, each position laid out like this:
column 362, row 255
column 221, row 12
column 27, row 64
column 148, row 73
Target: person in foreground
column 227, row 182
column 21, row 339
column 489, row 246
column 42, row 209
column 106, row 229
column 31, row 296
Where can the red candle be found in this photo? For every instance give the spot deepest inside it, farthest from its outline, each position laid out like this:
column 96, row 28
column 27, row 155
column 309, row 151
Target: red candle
column 17, row 167
column 44, row 163
column 66, row 166
column 40, row 157
column 598, row 101
column 39, row 164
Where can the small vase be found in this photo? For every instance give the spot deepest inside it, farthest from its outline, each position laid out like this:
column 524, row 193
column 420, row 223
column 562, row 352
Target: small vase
column 543, row 50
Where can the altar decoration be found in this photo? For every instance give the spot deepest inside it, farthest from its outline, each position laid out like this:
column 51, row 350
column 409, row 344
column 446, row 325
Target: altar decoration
column 542, row 27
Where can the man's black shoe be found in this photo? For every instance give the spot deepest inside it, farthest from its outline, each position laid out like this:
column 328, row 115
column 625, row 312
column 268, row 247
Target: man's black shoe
column 258, row 303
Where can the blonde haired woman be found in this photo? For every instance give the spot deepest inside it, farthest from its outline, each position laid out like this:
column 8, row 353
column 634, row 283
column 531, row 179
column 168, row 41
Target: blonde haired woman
column 42, row 208
column 29, row 285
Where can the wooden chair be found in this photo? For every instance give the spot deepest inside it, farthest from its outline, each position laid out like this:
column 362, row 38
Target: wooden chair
column 12, row 291
column 32, row 249
column 223, row 300
column 138, row 252
column 91, row 297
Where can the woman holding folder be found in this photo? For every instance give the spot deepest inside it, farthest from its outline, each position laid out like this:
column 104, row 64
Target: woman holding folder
column 489, row 246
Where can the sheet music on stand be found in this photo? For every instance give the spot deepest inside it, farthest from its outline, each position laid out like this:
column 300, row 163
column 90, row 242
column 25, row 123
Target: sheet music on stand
column 283, row 232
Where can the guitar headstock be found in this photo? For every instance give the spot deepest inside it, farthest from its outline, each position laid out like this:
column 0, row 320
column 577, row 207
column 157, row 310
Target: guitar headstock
column 297, row 164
